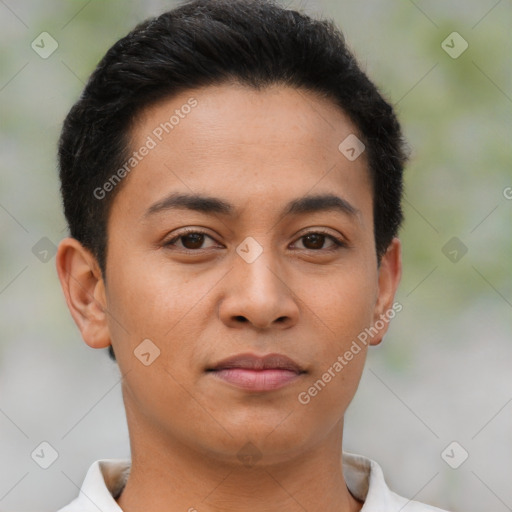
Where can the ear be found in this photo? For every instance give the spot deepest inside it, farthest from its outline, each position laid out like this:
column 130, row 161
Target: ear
column 390, row 272
column 84, row 289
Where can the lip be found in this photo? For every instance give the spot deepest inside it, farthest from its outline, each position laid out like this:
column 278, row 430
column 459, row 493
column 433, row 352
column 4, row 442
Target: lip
column 257, row 373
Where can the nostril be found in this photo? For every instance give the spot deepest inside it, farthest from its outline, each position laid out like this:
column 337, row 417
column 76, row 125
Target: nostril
column 241, row 318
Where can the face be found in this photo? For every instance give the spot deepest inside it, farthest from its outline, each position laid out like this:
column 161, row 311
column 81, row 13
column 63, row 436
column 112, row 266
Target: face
column 241, row 249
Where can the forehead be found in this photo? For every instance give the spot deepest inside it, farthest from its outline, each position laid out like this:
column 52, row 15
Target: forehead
column 239, row 114
column 242, row 143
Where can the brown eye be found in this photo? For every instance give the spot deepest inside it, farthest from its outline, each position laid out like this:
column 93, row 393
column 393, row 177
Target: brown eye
column 316, row 241
column 313, row 241
column 192, row 240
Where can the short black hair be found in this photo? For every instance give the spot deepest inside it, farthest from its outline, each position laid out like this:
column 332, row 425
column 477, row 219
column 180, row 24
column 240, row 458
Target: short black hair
column 256, row 43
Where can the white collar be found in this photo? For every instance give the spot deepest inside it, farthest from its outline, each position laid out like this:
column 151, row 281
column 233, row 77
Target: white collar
column 365, row 480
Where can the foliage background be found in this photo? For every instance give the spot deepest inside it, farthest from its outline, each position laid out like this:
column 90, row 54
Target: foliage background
column 444, row 371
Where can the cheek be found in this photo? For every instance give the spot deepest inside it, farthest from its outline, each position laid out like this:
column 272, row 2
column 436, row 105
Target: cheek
column 154, row 305
column 150, row 300
column 161, row 304
column 340, row 310
column 344, row 310
column 341, row 304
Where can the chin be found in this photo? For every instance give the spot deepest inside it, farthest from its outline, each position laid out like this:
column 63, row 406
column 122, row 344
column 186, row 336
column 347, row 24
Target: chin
column 269, row 441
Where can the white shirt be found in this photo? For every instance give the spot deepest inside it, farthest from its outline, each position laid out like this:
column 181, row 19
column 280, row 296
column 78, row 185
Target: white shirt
column 364, row 478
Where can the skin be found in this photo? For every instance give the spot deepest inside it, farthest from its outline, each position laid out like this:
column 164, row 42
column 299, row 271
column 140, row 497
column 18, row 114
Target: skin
column 257, row 150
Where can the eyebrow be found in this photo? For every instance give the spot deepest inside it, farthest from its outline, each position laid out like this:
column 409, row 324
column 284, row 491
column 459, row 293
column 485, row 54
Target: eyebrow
column 208, row 204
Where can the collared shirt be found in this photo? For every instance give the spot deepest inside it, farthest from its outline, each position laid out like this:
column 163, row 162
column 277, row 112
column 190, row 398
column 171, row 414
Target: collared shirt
column 364, row 478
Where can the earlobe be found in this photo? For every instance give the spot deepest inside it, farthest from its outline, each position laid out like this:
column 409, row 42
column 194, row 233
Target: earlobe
column 390, row 272
column 84, row 290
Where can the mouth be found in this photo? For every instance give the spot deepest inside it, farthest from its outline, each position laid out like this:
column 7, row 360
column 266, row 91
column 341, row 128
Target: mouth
column 257, row 373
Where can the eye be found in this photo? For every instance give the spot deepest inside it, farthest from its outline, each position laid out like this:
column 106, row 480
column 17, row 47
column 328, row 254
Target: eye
column 190, row 240
column 194, row 240
column 315, row 241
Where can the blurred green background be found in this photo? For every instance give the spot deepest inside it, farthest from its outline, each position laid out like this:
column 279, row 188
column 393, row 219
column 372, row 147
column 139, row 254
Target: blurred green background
column 442, row 374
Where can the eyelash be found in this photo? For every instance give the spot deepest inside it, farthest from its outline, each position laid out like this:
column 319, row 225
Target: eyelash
column 338, row 242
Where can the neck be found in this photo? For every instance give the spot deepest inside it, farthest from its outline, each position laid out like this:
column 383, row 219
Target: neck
column 168, row 476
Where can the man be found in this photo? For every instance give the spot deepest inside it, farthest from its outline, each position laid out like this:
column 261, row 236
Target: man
column 232, row 182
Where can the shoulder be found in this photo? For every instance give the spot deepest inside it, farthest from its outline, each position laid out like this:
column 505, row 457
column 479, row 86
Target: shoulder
column 365, row 480
column 103, row 482
column 406, row 505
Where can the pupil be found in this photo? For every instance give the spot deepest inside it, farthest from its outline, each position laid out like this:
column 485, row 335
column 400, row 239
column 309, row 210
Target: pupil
column 316, row 239
column 193, row 240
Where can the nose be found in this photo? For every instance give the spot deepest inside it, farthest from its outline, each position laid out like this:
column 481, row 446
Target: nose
column 257, row 294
